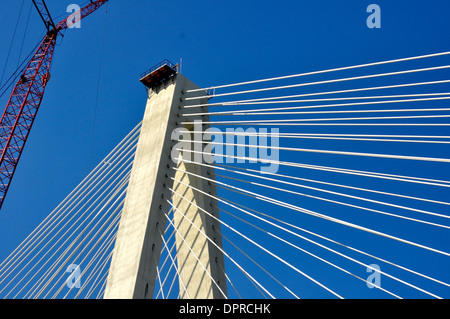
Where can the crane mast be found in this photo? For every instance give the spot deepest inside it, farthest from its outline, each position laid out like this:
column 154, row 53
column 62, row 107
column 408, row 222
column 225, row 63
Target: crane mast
column 23, row 105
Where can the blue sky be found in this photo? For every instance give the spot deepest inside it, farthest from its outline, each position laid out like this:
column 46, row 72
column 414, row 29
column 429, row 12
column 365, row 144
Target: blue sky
column 219, row 42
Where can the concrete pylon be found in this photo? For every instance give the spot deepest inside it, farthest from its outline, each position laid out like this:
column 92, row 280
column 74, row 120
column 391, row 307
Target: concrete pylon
column 200, row 262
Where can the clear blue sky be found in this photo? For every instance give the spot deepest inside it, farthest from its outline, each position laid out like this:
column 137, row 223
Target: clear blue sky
column 219, row 42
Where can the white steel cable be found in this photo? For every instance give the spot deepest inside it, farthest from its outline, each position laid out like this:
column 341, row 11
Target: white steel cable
column 336, row 220
column 226, row 275
column 168, row 252
column 265, row 112
column 306, row 251
column 158, row 277
column 259, row 266
column 334, row 184
column 171, row 265
column 322, row 216
column 329, row 137
column 341, row 203
column 86, row 236
column 190, row 249
column 402, row 178
column 321, row 82
column 335, row 242
column 252, row 260
column 47, row 283
column 352, row 259
column 84, row 213
column 293, row 134
column 334, row 251
column 42, row 284
column 48, row 242
column 74, row 199
column 54, row 245
column 276, row 110
column 102, row 254
column 99, row 279
column 278, row 121
column 323, row 71
column 34, row 236
column 105, row 240
column 266, row 99
column 97, row 260
column 219, row 167
column 174, row 263
column 251, row 279
column 258, row 245
column 389, row 156
column 279, row 124
column 334, row 136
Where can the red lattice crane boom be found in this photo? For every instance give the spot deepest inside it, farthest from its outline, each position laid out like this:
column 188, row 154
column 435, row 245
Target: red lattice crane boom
column 26, row 97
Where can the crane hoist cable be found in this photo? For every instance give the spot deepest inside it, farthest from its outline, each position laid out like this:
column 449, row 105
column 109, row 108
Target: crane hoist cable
column 12, row 43
column 97, row 93
column 24, row 34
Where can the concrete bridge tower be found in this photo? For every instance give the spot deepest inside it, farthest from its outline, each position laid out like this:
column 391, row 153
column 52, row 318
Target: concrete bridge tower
column 136, row 255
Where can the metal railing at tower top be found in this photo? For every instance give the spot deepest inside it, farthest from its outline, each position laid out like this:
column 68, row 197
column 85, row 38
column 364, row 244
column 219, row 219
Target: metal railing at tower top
column 160, row 65
column 159, row 73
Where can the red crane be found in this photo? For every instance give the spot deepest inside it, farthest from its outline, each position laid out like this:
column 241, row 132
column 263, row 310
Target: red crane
column 26, row 97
